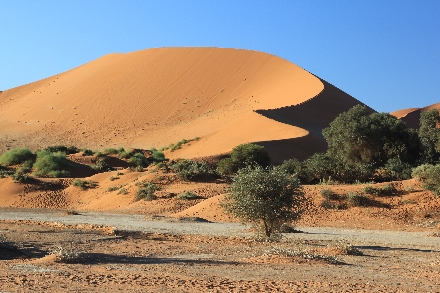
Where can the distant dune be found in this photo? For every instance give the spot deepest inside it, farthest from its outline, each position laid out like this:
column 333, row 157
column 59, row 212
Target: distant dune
column 411, row 116
column 155, row 97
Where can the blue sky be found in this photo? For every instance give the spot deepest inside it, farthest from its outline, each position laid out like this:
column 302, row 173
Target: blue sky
column 385, row 53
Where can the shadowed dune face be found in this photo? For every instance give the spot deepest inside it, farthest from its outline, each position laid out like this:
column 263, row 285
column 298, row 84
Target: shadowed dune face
column 411, row 116
column 159, row 96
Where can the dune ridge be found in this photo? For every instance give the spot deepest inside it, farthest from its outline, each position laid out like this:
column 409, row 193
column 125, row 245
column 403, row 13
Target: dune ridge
column 154, row 97
column 411, row 116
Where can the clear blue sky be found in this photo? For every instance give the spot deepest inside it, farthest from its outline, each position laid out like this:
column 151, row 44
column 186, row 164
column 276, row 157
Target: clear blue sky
column 385, row 53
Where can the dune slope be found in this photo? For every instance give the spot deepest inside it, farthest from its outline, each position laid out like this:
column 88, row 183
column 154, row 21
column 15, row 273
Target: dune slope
column 156, row 97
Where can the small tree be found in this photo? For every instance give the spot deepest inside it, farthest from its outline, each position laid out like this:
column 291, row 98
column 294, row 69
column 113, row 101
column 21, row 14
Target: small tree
column 429, row 136
column 242, row 156
column 265, row 198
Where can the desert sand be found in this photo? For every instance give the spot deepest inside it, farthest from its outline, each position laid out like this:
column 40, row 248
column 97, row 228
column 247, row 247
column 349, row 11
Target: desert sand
column 225, row 97
column 155, row 97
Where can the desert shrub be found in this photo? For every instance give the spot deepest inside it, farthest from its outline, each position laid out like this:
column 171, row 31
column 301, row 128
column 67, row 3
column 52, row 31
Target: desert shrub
column 331, row 205
column 328, row 194
column 429, row 176
column 6, row 244
column 20, row 177
column 398, row 170
column 146, row 191
column 291, row 166
column 191, row 170
column 87, row 152
column 84, row 184
column 357, row 199
column 16, row 156
column 188, row 195
column 344, row 248
column 111, row 151
column 101, row 166
column 70, row 254
column 157, row 156
column 6, row 173
column 26, row 167
column 124, row 155
column 139, row 160
column 226, row 167
column 113, row 178
column 265, row 198
column 98, row 154
column 123, row 191
column 242, row 156
column 51, row 164
column 113, row 188
column 61, row 148
column 429, row 135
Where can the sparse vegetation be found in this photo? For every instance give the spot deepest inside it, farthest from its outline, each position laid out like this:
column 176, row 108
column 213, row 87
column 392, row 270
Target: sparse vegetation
column 113, row 188
column 328, row 194
column 265, row 198
column 84, row 184
column 68, row 255
column 188, row 195
column 388, row 189
column 191, row 170
column 123, row 191
column 20, row 177
column 49, row 164
column 242, row 156
column 63, row 149
column 146, row 191
column 101, row 166
column 356, row 199
column 429, row 176
column 16, row 156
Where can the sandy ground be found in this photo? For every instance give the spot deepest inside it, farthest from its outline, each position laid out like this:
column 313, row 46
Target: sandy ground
column 116, row 260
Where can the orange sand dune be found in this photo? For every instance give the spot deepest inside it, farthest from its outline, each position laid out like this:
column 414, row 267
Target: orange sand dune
column 411, row 116
column 155, row 97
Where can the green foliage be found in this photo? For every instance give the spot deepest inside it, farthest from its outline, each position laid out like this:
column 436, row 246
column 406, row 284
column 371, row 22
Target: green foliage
column 191, row 170
column 357, row 137
column 157, row 156
column 429, row 176
column 123, row 191
column 111, row 151
column 113, row 188
column 16, row 156
column 146, row 191
column 429, row 136
column 242, row 156
column 6, row 173
column 357, row 199
column 49, row 164
column 63, row 149
column 25, row 167
column 328, row 194
column 291, row 166
column 265, row 198
column 139, row 160
column 20, row 177
column 188, row 195
column 101, row 166
column 388, row 189
column 84, row 184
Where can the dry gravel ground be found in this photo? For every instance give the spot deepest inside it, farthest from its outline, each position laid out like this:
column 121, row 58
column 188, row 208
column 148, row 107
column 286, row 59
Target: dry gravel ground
column 164, row 255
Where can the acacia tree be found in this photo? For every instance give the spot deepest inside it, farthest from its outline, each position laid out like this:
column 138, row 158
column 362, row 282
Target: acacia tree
column 429, row 136
column 358, row 137
column 266, row 198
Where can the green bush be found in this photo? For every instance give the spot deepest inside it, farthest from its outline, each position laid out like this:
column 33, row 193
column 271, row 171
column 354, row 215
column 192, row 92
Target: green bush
column 20, row 177
column 291, row 166
column 101, row 166
column 429, row 176
column 146, row 191
column 242, row 156
column 191, row 170
column 87, row 152
column 328, row 194
column 63, row 149
column 6, row 173
column 111, row 151
column 26, row 167
column 16, row 156
column 357, row 199
column 139, row 160
column 84, row 184
column 49, row 164
column 264, row 197
column 157, row 156
column 188, row 195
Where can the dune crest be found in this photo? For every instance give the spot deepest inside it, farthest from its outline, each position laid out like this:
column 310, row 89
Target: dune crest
column 155, row 97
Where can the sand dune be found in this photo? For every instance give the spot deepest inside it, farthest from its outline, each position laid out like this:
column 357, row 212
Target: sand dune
column 411, row 116
column 155, row 97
